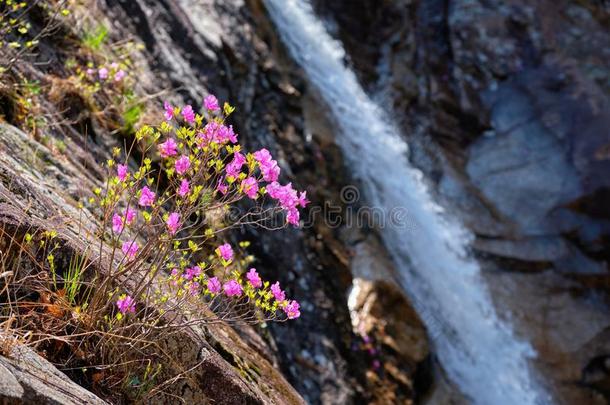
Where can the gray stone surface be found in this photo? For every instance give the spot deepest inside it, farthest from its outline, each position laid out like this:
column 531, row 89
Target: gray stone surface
column 25, row 377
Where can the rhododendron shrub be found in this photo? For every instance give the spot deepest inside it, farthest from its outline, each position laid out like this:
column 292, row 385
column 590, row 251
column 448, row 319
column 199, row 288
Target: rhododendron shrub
column 160, row 257
column 166, row 220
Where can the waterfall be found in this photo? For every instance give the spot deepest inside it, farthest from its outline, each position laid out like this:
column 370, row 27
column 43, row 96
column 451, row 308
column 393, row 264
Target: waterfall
column 478, row 350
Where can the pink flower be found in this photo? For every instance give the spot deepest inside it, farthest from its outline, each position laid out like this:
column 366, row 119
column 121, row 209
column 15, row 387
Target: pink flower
column 223, row 188
column 234, row 167
column 130, row 249
column 194, row 288
column 183, row 164
column 202, row 140
column 192, row 272
column 173, row 222
column 169, row 111
column 216, row 132
column 168, row 148
column 120, row 75
column 90, row 72
column 262, row 155
column 126, row 304
column 211, row 103
column 225, row 251
column 214, row 285
column 226, row 134
column 303, row 201
column 277, row 292
column 184, row 188
column 129, row 215
column 103, row 73
column 286, row 195
column 188, row 114
column 292, row 309
column 254, row 279
column 292, row 216
column 117, row 223
column 250, row 187
column 209, row 132
column 121, row 172
column 114, row 65
column 232, row 288
column 288, row 199
column 147, row 197
column 268, row 166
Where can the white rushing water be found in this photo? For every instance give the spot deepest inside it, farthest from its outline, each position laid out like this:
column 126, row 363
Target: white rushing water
column 478, row 350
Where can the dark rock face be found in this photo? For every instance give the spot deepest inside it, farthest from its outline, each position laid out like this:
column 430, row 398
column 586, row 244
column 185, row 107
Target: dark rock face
column 506, row 105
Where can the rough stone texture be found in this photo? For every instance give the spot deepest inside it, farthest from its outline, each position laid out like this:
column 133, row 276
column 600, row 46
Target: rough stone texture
column 228, row 48
column 25, row 377
column 505, row 104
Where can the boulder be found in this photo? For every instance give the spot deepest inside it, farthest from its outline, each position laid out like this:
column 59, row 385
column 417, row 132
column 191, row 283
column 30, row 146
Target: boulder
column 26, row 377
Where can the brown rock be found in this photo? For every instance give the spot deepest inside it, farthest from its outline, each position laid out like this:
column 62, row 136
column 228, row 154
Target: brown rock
column 382, row 314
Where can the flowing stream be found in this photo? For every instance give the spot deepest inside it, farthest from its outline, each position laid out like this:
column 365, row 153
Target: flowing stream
column 479, row 351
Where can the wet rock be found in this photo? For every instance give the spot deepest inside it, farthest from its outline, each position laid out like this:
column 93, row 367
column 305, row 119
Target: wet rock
column 567, row 324
column 512, row 167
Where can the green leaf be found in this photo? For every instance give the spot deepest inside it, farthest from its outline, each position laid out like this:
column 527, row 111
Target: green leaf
column 94, row 39
column 228, row 108
column 131, row 116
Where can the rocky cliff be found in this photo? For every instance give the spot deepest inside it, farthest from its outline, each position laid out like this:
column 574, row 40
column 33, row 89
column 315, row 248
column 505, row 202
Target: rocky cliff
column 190, row 48
column 505, row 106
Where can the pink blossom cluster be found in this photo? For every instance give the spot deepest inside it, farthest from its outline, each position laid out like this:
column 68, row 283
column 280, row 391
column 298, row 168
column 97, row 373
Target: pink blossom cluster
column 168, row 148
column 216, row 132
column 103, row 73
column 194, row 154
column 233, row 287
column 192, row 272
column 173, row 223
column 250, row 187
column 254, row 279
column 130, row 250
column 269, row 168
column 122, row 172
column 147, row 197
column 290, row 307
column 211, row 103
column 214, row 285
column 183, row 163
column 126, row 304
column 234, row 167
column 119, row 221
column 188, row 114
column 225, row 251
column 288, row 199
